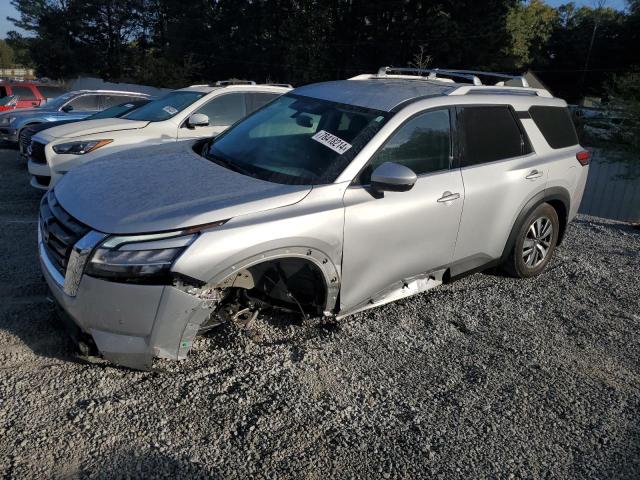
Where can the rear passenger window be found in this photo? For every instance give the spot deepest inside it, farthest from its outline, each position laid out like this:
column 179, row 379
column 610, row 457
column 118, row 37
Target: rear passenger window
column 423, row 144
column 556, row 125
column 23, row 93
column 258, row 100
column 490, row 134
column 85, row 103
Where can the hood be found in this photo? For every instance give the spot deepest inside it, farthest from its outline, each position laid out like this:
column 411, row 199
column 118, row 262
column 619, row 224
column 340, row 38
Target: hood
column 38, row 127
column 165, row 187
column 92, row 127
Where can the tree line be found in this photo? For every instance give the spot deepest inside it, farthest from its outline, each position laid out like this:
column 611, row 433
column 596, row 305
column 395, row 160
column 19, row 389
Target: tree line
column 172, row 43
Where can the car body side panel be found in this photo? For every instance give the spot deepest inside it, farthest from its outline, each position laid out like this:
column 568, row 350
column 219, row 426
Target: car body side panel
column 398, row 235
column 495, row 194
column 315, row 223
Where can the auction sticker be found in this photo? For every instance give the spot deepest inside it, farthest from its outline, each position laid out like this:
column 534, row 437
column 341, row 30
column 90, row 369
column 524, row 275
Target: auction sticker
column 334, row 143
column 170, row 110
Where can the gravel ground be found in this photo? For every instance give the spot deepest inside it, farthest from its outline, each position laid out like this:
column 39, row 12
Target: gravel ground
column 488, row 377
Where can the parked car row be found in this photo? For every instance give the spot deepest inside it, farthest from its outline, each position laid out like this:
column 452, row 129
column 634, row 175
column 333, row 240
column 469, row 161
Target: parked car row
column 328, row 199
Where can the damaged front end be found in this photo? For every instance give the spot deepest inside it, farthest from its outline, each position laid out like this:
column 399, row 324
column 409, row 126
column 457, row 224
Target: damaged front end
column 123, row 296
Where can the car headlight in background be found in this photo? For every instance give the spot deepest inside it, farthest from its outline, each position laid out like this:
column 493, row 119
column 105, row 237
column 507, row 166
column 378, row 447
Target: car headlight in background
column 80, row 148
column 141, row 258
column 7, row 120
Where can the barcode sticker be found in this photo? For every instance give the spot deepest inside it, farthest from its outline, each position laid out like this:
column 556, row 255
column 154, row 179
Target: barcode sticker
column 334, row 143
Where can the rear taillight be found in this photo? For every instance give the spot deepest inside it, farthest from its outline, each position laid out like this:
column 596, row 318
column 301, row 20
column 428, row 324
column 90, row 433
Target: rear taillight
column 583, row 157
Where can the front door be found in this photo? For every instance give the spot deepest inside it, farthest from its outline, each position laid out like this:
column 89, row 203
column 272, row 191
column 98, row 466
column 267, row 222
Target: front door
column 394, row 236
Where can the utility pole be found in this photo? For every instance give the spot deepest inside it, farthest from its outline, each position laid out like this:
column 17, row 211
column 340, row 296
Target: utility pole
column 599, row 5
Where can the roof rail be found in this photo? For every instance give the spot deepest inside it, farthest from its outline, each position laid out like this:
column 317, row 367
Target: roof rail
column 499, row 89
column 232, row 81
column 286, row 85
column 505, row 82
column 430, row 74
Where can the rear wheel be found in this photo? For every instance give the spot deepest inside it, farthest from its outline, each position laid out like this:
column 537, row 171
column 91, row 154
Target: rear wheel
column 535, row 243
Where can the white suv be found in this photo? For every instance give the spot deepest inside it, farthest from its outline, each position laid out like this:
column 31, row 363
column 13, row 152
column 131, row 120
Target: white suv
column 189, row 113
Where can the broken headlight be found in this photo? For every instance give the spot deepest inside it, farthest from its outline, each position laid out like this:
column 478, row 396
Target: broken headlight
column 138, row 258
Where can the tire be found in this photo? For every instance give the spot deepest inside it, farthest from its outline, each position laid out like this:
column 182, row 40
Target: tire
column 534, row 244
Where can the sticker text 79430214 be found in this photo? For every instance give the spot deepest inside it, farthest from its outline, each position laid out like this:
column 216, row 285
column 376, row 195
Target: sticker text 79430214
column 329, row 140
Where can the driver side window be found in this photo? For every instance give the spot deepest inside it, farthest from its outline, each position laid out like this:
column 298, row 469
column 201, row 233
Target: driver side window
column 225, row 109
column 423, row 144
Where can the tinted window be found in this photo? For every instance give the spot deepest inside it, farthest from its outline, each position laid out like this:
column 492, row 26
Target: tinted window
column 108, row 101
column 423, row 144
column 50, row 92
column 23, row 93
column 225, row 109
column 119, row 110
column 489, row 134
column 85, row 102
column 3, row 92
column 257, row 100
column 556, row 125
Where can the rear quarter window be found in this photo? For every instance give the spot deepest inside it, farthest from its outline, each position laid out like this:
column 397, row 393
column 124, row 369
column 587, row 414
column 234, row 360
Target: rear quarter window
column 556, row 125
column 23, row 93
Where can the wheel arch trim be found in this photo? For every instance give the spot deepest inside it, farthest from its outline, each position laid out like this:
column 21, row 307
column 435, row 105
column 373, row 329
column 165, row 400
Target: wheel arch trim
column 553, row 194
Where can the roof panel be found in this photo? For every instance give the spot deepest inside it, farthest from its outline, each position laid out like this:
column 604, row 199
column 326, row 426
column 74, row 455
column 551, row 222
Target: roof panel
column 379, row 93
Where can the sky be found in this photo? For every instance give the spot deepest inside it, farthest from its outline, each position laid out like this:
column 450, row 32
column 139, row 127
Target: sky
column 7, row 10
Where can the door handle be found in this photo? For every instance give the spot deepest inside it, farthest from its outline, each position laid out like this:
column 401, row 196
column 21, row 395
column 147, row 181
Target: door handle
column 448, row 197
column 533, row 174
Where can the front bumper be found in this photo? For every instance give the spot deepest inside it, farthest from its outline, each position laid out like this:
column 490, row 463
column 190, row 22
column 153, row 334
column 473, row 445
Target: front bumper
column 129, row 324
column 40, row 175
column 9, row 135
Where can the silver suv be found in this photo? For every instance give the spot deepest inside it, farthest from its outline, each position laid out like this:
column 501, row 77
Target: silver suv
column 332, row 199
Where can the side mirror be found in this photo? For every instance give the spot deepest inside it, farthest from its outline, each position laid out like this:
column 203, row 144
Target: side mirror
column 393, row 177
column 67, row 108
column 198, row 120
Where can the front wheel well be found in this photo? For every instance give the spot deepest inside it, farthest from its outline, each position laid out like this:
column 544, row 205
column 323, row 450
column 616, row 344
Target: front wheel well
column 289, row 282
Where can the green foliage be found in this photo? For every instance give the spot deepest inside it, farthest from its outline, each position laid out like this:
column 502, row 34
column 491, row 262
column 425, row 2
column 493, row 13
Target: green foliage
column 7, row 57
column 623, row 93
column 176, row 42
column 530, row 27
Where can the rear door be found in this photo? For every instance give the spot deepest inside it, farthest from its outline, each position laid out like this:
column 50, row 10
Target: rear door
column 500, row 173
column 393, row 236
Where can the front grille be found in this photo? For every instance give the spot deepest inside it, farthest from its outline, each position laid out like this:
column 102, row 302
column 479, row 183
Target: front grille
column 37, row 153
column 59, row 231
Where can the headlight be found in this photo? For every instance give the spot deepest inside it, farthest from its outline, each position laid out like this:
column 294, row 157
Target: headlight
column 80, row 148
column 139, row 258
column 7, row 120
column 142, row 258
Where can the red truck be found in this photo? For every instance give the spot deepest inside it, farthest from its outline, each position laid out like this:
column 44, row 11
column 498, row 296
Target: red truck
column 26, row 95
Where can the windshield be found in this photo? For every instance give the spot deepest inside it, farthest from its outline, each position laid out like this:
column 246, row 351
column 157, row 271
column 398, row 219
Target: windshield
column 166, row 107
column 58, row 102
column 297, row 140
column 118, row 110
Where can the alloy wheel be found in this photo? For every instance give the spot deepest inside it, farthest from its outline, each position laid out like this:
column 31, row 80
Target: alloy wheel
column 537, row 242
